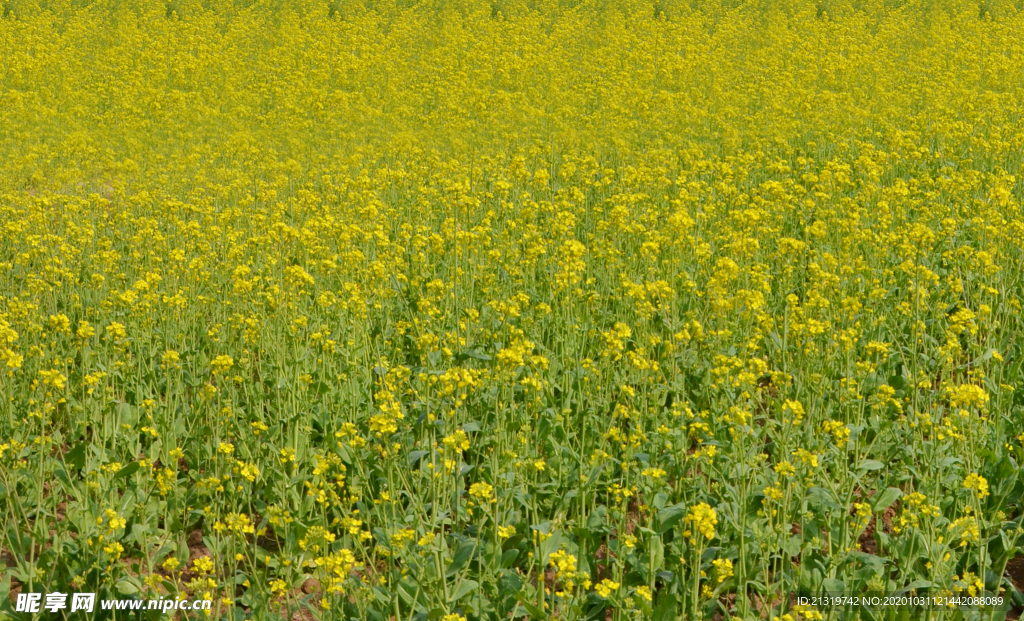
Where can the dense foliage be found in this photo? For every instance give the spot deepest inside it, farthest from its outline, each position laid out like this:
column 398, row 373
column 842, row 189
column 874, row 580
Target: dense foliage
column 488, row 310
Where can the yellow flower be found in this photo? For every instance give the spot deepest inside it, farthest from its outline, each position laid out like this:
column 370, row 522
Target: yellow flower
column 862, row 514
column 170, row 359
column 248, row 471
column 606, row 587
column 806, row 457
column 222, row 364
column 53, row 378
column 784, row 468
column 565, row 568
column 237, row 523
column 966, row 528
column 793, row 410
column 85, row 330
column 840, row 431
column 457, row 441
column 60, row 323
column 966, row 395
column 702, row 519
column 977, row 483
column 116, row 331
column 114, row 550
column 723, row 569
column 654, row 473
column 483, row 491
column 278, row 587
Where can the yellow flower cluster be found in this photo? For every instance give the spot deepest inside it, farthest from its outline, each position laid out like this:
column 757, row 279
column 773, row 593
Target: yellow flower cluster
column 606, row 587
column 355, row 295
column 702, row 520
column 977, row 484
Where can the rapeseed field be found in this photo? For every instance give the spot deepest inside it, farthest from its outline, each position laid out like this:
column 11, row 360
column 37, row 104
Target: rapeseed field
column 457, row 310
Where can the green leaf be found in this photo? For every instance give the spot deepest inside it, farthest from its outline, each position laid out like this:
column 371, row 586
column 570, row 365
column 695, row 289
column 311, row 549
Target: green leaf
column 656, row 549
column 475, row 354
column 461, row 557
column 1004, row 539
column 823, row 499
column 886, row 498
column 918, row 584
column 406, row 589
column 5, row 587
column 75, row 458
column 669, row 517
column 831, row 585
column 125, row 587
column 870, row 464
column 536, row 614
column 61, row 474
column 883, row 539
column 791, row 546
column 508, row 557
column 551, row 545
column 665, row 610
column 127, row 471
column 139, row 532
column 464, row 588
